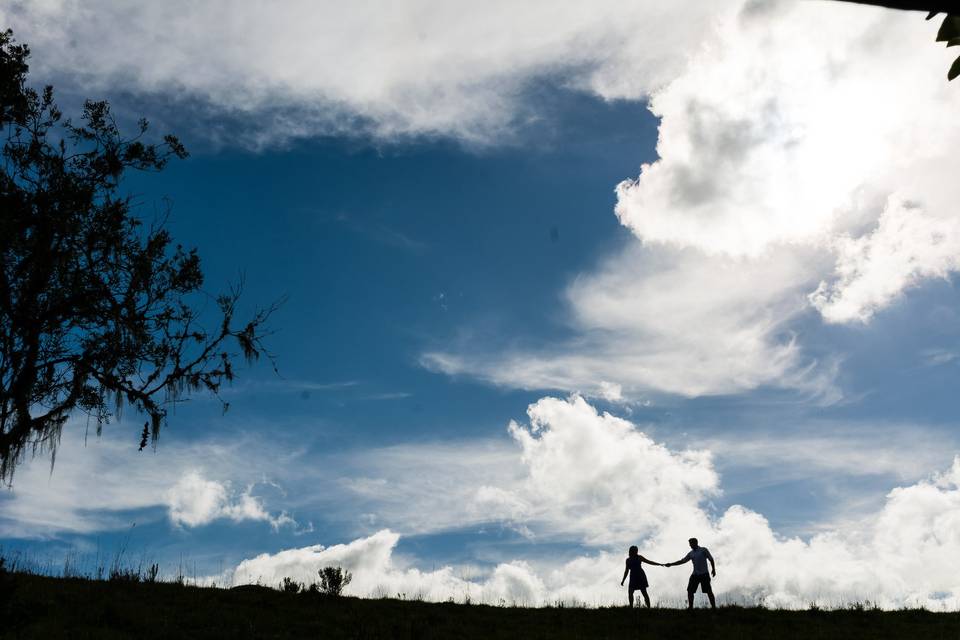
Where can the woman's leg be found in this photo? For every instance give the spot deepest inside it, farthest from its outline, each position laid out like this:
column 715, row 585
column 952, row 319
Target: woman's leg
column 646, row 598
column 630, row 597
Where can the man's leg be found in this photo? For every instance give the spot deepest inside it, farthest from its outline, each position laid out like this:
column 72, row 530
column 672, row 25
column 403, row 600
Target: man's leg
column 691, row 589
column 708, row 589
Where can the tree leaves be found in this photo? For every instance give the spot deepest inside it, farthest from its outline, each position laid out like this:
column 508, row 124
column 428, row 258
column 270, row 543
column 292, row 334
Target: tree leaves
column 954, row 70
column 949, row 29
column 949, row 32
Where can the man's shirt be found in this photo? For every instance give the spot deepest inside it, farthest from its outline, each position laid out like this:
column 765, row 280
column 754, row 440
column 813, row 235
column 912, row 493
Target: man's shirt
column 699, row 557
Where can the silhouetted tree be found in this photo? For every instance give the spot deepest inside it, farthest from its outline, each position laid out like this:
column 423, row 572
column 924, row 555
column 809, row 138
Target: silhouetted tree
column 95, row 306
column 949, row 29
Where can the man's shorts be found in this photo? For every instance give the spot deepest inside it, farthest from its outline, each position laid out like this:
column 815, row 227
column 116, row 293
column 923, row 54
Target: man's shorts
column 701, row 579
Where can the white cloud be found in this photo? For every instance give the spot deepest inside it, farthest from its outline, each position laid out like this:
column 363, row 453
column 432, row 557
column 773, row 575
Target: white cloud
column 790, row 125
column 596, row 478
column 382, row 480
column 195, row 501
column 810, row 449
column 603, row 501
column 426, row 488
column 376, row 573
column 907, row 246
column 434, row 67
column 789, row 128
column 106, row 484
column 676, row 321
column 611, row 391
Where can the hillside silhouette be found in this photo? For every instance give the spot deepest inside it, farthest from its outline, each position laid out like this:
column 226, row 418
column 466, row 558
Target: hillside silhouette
column 43, row 607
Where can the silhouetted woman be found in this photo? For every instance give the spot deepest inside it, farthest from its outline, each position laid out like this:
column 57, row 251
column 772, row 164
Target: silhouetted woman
column 638, row 579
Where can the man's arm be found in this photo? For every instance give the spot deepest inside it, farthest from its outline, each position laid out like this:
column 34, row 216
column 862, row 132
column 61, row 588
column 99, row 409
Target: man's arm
column 685, row 558
column 713, row 565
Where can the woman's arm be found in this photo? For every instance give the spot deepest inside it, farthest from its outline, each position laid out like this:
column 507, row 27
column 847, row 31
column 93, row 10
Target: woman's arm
column 642, row 559
column 625, row 572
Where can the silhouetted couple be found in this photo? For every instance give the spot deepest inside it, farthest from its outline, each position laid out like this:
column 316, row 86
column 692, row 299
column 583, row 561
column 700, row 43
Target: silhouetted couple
column 699, row 578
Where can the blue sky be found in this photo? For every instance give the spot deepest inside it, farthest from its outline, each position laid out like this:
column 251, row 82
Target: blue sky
column 768, row 313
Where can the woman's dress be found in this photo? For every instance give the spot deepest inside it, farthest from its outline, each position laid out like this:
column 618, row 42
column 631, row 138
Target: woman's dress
column 638, row 579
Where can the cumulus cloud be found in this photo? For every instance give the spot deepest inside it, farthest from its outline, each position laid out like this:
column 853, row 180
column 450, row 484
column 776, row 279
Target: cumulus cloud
column 788, row 128
column 598, row 479
column 195, row 501
column 603, row 502
column 376, row 572
column 767, row 137
column 900, row 557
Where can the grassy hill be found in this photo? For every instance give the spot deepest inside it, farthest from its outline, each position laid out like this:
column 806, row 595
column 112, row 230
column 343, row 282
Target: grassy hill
column 41, row 607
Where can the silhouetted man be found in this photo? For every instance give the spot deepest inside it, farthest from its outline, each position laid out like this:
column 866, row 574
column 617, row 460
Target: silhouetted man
column 699, row 556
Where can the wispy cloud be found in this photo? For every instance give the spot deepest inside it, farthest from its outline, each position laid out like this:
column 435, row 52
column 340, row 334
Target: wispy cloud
column 106, row 484
column 671, row 321
column 938, row 357
column 814, row 449
column 387, row 395
column 374, row 229
column 283, row 385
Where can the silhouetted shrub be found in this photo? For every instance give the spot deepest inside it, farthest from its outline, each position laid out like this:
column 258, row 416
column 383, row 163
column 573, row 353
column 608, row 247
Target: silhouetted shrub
column 290, row 586
column 152, row 573
column 333, row 580
column 124, row 574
